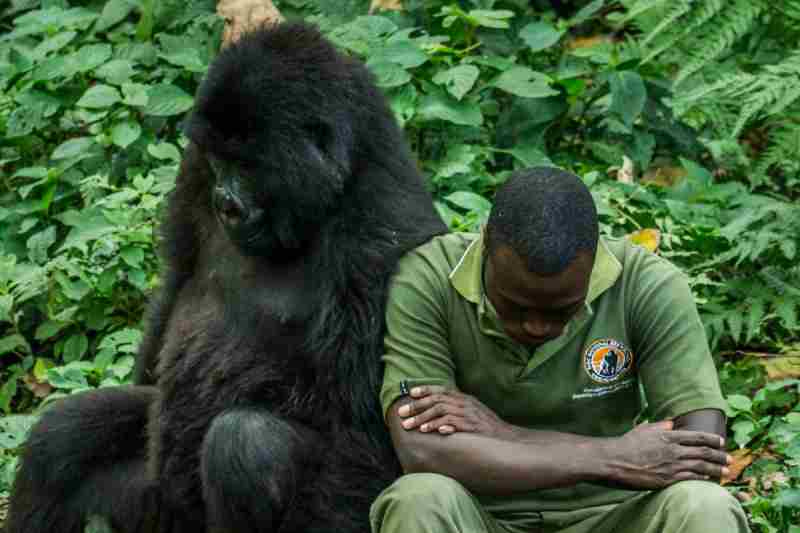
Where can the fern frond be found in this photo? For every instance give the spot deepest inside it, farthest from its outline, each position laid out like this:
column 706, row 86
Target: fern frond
column 781, row 155
column 675, row 11
column 641, row 6
column 720, row 33
column 696, row 18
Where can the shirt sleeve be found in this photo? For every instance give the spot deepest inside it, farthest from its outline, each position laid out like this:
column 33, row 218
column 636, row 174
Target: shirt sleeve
column 416, row 347
column 674, row 360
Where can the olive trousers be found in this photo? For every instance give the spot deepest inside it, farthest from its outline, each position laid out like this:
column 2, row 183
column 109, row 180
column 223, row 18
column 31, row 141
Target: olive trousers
column 434, row 503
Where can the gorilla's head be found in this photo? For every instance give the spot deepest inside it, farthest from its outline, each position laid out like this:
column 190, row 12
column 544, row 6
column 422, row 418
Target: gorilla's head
column 275, row 121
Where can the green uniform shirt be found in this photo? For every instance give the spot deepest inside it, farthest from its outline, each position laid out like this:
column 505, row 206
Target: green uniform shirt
column 639, row 328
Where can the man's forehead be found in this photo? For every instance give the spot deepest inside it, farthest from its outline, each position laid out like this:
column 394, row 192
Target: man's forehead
column 511, row 275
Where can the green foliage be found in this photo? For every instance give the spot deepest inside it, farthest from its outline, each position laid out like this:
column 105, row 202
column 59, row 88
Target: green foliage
column 91, row 93
column 738, row 69
column 88, row 116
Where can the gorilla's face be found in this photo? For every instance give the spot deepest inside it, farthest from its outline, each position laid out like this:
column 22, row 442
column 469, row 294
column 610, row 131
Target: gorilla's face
column 276, row 121
column 271, row 203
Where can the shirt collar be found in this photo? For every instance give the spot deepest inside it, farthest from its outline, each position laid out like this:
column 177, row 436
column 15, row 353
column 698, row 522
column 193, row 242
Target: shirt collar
column 467, row 275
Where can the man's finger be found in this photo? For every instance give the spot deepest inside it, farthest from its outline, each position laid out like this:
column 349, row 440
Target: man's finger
column 706, row 454
column 695, row 438
column 435, row 411
column 454, row 422
column 706, row 469
column 424, row 390
column 417, row 406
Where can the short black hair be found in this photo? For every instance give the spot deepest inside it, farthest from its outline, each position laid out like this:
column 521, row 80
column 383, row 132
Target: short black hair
column 546, row 215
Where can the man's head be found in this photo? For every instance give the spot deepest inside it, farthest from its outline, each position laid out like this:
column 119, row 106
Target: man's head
column 540, row 242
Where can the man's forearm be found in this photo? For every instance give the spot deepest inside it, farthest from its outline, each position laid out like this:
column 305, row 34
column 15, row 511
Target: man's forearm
column 520, row 461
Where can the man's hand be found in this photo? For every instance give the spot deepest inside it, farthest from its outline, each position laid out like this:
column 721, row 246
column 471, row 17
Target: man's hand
column 436, row 409
column 653, row 456
column 650, row 456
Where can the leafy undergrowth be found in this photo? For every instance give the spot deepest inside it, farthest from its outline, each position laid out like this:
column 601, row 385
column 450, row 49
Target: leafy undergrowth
column 682, row 117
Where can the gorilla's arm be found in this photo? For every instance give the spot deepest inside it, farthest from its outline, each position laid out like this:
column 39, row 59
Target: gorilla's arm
column 181, row 240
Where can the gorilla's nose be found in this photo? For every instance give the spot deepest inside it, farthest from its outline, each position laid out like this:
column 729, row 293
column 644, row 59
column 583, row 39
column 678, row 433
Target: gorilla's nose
column 230, row 209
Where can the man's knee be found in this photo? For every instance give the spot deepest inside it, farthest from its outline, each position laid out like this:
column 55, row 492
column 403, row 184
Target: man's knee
column 704, row 506
column 428, row 498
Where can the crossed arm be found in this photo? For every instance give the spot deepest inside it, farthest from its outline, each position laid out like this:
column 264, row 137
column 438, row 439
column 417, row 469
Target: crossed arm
column 451, row 433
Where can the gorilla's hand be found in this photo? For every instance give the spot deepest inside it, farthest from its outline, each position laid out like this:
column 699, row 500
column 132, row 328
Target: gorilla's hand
column 437, row 409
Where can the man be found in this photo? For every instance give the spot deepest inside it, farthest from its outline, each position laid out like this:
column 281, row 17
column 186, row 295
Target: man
column 515, row 366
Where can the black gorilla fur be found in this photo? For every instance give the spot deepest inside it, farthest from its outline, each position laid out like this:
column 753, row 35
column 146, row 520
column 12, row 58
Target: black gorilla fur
column 255, row 405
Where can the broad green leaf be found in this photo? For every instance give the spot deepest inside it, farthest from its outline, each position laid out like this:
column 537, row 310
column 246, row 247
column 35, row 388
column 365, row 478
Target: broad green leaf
column 116, row 72
column 137, row 278
column 469, row 201
column 67, row 377
column 530, row 155
column 53, row 67
column 39, row 243
column 389, row 74
column 166, row 100
column 124, row 340
column 403, row 102
column 24, row 120
column 133, row 255
column 89, row 225
column 628, row 96
column 75, row 348
column 6, row 306
column 742, row 432
column 164, row 150
column 125, row 133
column 14, row 430
column 525, row 82
column 73, row 148
column 188, row 58
column 540, row 35
column 135, row 94
column 492, row 18
column 458, row 80
column 48, row 329
column 113, row 12
column 47, row 103
column 73, row 289
column 99, row 97
column 11, row 342
column 54, row 43
column 123, row 367
column 788, row 498
column 458, row 160
column 91, row 56
column 739, row 402
column 403, row 53
column 439, row 105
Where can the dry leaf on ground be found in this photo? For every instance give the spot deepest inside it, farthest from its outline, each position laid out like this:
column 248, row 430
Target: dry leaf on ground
column 385, row 5
column 243, row 15
column 741, row 460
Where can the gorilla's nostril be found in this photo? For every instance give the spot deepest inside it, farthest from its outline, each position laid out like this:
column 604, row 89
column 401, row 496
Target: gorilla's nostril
column 227, row 206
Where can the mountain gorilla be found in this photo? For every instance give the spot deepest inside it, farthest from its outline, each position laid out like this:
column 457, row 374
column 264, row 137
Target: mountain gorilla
column 255, row 406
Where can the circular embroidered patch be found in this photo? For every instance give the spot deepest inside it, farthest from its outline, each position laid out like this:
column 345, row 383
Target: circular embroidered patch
column 606, row 360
